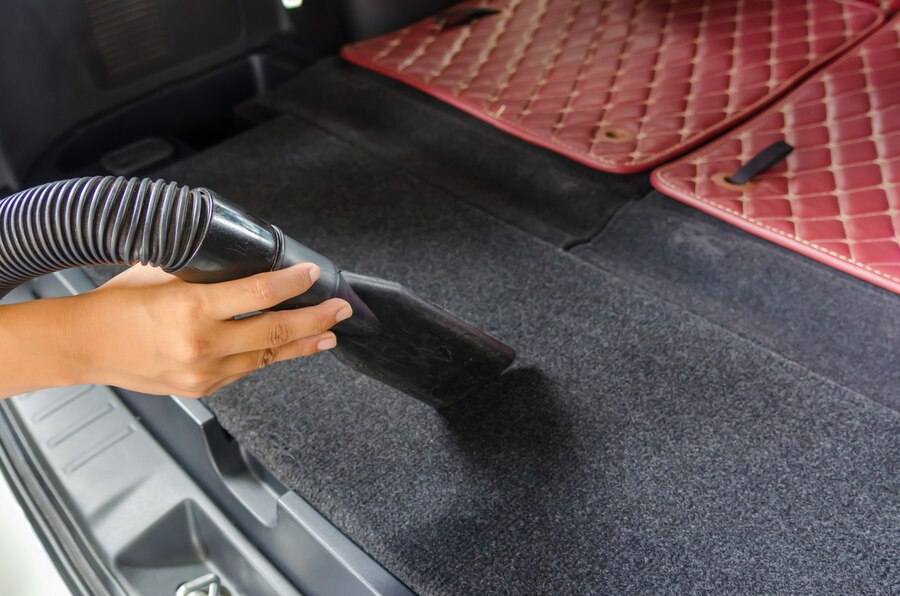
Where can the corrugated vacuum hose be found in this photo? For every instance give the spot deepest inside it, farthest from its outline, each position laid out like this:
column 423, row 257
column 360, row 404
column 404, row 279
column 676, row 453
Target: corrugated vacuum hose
column 100, row 220
column 394, row 336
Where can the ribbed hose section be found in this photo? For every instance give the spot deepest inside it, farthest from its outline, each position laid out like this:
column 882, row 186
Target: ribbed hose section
column 99, row 220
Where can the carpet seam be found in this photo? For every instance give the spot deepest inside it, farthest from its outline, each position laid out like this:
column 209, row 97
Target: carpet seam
column 637, row 282
column 599, row 231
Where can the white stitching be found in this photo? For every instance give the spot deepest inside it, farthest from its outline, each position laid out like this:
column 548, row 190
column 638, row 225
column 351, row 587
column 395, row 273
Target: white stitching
column 691, row 141
column 683, row 191
column 662, row 174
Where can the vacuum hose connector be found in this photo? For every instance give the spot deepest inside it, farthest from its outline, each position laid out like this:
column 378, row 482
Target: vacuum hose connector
column 191, row 233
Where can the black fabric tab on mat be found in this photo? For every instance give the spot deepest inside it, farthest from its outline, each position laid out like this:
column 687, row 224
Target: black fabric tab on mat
column 457, row 17
column 761, row 162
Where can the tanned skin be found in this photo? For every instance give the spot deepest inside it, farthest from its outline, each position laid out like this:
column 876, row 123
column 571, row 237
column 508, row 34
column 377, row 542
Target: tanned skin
column 148, row 331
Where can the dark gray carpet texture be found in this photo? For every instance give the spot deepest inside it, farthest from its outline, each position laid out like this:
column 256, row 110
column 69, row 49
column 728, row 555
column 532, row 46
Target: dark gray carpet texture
column 835, row 324
column 537, row 190
column 692, row 410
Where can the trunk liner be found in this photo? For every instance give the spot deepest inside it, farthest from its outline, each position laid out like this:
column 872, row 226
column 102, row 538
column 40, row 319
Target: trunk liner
column 634, row 447
column 619, row 85
column 836, row 198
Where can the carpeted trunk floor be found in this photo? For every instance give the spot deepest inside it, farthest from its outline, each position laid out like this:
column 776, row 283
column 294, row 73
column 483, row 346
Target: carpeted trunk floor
column 537, row 190
column 835, row 324
column 667, row 427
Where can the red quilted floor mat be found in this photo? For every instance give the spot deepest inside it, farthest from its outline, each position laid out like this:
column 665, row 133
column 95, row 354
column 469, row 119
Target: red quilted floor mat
column 836, row 198
column 620, row 85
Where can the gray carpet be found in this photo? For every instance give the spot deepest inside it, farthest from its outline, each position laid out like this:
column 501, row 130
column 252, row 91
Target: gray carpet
column 635, row 448
column 835, row 324
column 539, row 191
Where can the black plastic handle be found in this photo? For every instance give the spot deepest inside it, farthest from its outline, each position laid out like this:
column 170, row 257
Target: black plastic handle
column 237, row 245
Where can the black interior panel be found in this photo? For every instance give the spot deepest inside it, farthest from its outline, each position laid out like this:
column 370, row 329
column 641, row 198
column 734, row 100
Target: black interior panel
column 65, row 62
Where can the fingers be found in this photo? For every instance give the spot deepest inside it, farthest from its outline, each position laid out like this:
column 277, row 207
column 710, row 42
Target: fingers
column 241, row 364
column 276, row 329
column 258, row 292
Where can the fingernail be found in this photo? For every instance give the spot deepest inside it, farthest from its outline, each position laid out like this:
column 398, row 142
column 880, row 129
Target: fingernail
column 326, row 344
column 343, row 314
column 314, row 273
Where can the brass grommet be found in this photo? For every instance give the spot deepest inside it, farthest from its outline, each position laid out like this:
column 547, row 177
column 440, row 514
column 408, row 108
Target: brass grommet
column 614, row 134
column 721, row 179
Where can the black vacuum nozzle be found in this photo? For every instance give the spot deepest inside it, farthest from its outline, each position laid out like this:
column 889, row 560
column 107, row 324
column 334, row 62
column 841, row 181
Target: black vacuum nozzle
column 422, row 350
column 393, row 336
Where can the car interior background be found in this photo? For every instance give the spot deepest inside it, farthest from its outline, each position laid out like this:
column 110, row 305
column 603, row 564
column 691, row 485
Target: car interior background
column 684, row 215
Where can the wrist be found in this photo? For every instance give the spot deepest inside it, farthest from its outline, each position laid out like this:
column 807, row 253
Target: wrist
column 35, row 340
column 75, row 343
column 60, row 341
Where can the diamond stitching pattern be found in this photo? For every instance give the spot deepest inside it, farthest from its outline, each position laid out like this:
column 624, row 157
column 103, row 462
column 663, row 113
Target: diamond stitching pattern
column 620, row 85
column 836, row 198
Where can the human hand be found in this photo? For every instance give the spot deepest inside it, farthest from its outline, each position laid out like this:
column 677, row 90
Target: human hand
column 149, row 331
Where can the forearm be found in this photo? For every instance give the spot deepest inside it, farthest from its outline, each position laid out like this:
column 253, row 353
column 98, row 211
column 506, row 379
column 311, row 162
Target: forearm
column 151, row 332
column 40, row 345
